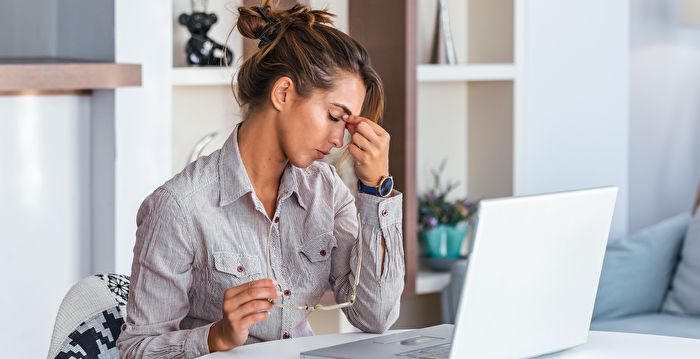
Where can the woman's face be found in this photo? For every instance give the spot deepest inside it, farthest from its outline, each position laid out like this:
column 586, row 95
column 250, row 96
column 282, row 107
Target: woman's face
column 312, row 126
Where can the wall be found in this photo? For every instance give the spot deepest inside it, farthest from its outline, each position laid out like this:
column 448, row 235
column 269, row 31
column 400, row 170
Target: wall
column 664, row 161
column 571, row 128
column 28, row 28
column 44, row 214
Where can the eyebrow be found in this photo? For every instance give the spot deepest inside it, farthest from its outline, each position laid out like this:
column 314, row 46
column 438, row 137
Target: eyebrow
column 343, row 107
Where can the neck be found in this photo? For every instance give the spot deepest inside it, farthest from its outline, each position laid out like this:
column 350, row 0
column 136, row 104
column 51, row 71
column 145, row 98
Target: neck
column 261, row 153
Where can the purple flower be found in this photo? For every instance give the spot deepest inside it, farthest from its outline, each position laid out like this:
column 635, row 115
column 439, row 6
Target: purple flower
column 431, row 222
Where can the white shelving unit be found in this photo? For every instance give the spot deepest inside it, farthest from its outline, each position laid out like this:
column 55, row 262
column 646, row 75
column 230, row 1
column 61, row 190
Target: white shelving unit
column 468, row 106
column 203, row 76
column 431, row 282
column 465, row 72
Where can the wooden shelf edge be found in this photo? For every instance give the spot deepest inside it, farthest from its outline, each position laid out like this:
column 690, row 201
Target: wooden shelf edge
column 68, row 76
column 470, row 72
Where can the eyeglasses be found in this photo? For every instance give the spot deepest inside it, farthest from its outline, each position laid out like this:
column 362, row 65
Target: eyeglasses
column 319, row 306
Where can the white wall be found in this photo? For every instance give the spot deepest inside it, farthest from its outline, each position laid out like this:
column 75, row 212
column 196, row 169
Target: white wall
column 142, row 115
column 664, row 162
column 571, row 128
column 44, row 214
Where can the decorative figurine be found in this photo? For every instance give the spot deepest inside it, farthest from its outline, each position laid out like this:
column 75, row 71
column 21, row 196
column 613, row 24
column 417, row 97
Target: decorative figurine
column 201, row 50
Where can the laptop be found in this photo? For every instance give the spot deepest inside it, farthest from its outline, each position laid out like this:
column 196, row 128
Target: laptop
column 529, row 289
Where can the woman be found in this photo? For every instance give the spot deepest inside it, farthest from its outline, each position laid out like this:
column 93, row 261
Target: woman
column 241, row 245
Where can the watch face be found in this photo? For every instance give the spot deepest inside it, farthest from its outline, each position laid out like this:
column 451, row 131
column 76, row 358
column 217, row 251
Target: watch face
column 386, row 186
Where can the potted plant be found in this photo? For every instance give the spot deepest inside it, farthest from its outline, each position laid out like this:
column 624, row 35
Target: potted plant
column 442, row 223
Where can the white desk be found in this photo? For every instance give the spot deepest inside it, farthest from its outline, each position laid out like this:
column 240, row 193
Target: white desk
column 600, row 345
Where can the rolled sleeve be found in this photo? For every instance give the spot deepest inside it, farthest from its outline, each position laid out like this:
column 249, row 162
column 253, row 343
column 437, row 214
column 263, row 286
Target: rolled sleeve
column 161, row 277
column 379, row 291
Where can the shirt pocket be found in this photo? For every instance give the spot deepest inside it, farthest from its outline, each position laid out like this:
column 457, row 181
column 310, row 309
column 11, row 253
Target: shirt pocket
column 243, row 268
column 318, row 249
column 314, row 264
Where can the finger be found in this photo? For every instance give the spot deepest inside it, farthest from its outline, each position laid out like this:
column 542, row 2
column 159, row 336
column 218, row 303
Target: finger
column 351, row 122
column 265, row 282
column 250, row 308
column 354, row 119
column 264, row 293
column 249, row 320
column 362, row 142
column 357, row 120
column 366, row 130
column 253, row 306
column 357, row 153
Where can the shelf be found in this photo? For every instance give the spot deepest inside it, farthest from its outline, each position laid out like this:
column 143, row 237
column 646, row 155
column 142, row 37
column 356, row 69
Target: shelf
column 472, row 72
column 431, row 282
column 42, row 74
column 203, row 76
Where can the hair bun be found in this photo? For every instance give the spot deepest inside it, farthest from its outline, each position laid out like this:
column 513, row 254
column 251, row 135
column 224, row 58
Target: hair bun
column 255, row 22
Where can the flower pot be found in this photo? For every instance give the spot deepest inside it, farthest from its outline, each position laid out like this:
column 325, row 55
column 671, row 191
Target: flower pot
column 443, row 241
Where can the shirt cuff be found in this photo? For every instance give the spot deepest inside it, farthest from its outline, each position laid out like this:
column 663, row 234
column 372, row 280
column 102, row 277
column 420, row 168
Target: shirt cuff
column 382, row 211
column 197, row 341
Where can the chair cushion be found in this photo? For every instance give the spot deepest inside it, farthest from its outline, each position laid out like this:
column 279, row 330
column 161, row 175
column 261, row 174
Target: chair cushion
column 637, row 269
column 89, row 319
column 95, row 337
column 684, row 296
column 657, row 323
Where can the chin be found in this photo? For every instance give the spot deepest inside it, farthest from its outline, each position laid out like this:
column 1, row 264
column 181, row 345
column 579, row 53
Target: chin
column 302, row 162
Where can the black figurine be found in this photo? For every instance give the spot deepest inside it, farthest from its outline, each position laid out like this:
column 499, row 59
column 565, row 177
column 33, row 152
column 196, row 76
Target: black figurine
column 201, row 50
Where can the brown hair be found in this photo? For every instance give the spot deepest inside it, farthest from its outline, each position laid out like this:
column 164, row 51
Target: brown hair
column 302, row 44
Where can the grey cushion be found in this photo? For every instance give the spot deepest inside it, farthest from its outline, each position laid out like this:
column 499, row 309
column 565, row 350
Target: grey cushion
column 684, row 296
column 637, row 270
column 657, row 323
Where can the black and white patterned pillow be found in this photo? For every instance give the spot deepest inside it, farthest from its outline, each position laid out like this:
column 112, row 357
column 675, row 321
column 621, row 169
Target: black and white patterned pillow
column 118, row 285
column 94, row 338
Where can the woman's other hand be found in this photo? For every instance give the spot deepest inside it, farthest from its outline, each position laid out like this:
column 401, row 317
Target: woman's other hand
column 244, row 305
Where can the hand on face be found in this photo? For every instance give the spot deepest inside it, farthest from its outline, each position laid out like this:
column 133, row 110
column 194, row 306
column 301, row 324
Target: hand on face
column 369, row 147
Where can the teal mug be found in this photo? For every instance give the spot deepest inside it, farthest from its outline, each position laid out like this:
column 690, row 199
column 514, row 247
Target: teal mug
column 443, row 241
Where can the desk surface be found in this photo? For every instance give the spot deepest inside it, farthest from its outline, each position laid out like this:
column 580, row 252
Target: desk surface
column 600, row 345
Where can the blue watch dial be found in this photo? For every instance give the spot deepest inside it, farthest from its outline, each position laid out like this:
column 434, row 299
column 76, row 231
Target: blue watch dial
column 386, row 187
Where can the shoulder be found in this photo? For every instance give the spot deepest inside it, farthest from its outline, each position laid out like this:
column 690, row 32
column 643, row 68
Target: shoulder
column 195, row 181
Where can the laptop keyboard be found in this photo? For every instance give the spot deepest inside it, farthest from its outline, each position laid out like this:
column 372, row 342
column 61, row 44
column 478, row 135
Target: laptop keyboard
column 435, row 352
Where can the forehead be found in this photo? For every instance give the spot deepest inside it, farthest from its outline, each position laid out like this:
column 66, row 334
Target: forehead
column 347, row 90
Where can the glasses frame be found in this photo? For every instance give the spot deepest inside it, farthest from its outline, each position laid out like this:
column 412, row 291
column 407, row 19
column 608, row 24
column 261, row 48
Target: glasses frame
column 317, row 307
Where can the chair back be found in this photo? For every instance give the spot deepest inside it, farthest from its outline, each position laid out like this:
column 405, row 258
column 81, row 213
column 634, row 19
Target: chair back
column 90, row 318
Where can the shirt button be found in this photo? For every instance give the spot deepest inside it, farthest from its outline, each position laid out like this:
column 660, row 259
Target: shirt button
column 286, row 335
column 277, row 220
column 385, row 213
column 322, row 252
column 240, row 269
column 287, row 292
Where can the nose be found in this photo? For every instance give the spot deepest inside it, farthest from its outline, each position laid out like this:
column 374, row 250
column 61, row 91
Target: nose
column 337, row 135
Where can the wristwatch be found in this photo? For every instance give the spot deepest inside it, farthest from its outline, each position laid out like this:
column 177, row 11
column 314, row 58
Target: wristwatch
column 384, row 189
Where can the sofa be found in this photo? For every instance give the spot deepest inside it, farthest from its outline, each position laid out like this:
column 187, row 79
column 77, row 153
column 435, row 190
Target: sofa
column 650, row 281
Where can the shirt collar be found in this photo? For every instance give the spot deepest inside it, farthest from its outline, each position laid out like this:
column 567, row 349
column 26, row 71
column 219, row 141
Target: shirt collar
column 234, row 181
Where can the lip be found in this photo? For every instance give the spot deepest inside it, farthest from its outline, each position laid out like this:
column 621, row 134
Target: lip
column 321, row 154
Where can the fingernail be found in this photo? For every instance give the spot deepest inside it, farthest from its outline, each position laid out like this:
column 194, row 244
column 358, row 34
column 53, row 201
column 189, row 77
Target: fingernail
column 345, row 117
column 274, row 282
column 279, row 294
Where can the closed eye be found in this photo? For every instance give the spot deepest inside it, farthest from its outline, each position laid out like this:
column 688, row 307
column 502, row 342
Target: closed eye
column 332, row 118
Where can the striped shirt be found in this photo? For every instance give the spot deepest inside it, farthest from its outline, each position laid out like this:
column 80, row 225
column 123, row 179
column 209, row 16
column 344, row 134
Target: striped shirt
column 205, row 230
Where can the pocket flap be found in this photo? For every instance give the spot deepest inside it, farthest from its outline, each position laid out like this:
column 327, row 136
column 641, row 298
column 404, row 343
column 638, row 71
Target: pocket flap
column 319, row 248
column 236, row 264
